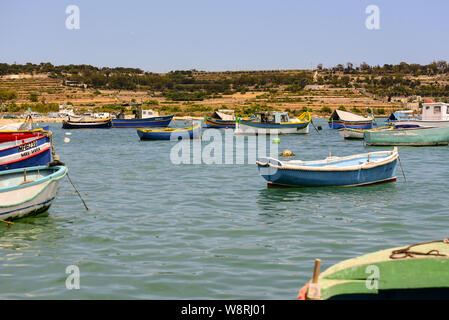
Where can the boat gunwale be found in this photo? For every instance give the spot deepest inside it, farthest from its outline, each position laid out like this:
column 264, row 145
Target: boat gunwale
column 169, row 130
column 56, row 175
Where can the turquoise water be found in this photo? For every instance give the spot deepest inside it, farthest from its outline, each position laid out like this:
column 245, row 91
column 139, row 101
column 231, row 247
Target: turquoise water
column 156, row 230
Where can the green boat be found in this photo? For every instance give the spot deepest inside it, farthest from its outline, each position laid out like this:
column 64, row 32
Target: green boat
column 423, row 136
column 419, row 271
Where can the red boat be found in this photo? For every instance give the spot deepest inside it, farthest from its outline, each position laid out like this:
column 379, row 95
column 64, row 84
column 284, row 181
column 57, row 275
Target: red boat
column 6, row 136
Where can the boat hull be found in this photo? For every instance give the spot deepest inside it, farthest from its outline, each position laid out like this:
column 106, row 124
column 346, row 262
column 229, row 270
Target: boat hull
column 217, row 123
column 338, row 124
column 183, row 133
column 414, row 272
column 251, row 128
column 357, row 134
column 277, row 173
column 31, row 198
column 34, row 152
column 6, row 136
column 86, row 125
column 421, row 123
column 142, row 123
column 409, row 137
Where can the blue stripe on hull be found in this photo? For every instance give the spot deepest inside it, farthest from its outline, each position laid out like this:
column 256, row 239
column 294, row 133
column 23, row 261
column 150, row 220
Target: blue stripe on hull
column 352, row 125
column 38, row 160
column 41, row 207
column 190, row 134
column 303, row 178
column 275, row 126
column 9, row 151
column 140, row 123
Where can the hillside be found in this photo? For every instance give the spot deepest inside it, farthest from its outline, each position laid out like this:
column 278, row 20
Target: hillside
column 197, row 92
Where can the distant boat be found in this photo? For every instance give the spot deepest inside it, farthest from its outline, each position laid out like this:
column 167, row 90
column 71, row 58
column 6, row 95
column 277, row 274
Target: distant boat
column 415, row 272
column 170, row 133
column 343, row 119
column 434, row 114
column 220, row 119
column 273, row 122
column 163, row 121
column 349, row 133
column 354, row 170
column 29, row 152
column 143, row 118
column 28, row 191
column 87, row 124
column 421, row 136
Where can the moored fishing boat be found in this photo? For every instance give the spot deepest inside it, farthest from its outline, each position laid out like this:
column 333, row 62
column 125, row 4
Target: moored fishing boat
column 349, row 133
column 273, row 122
column 29, row 152
column 220, row 119
column 434, row 114
column 87, row 124
column 162, row 121
column 343, row 119
column 420, row 136
column 142, row 119
column 28, row 191
column 191, row 132
column 415, row 272
column 354, row 170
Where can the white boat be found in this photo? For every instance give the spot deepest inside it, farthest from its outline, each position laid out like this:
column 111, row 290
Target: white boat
column 28, row 191
column 273, row 122
column 434, row 114
column 350, row 133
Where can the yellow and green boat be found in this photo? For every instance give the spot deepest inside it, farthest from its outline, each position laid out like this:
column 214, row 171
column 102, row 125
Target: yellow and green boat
column 419, row 271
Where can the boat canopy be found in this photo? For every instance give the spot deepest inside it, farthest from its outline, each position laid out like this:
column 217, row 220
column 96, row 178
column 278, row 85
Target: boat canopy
column 401, row 115
column 346, row 116
column 16, row 126
column 224, row 115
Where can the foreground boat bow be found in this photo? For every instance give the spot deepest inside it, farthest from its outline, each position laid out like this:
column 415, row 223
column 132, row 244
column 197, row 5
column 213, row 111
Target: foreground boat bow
column 28, row 191
column 418, row 271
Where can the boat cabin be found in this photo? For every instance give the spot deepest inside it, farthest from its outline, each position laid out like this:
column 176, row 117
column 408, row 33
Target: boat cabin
column 435, row 111
column 272, row 117
column 143, row 114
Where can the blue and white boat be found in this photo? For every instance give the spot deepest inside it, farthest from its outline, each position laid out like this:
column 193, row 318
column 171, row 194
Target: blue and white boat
column 28, row 191
column 29, row 152
column 170, row 133
column 354, row 170
column 142, row 118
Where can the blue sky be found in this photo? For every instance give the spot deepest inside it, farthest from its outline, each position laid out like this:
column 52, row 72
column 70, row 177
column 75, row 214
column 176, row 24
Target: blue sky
column 214, row 35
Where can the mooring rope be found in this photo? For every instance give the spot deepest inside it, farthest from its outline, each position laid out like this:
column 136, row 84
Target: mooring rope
column 406, row 253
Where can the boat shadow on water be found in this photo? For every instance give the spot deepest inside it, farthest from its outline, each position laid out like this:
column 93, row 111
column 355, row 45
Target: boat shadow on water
column 40, row 227
column 269, row 198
